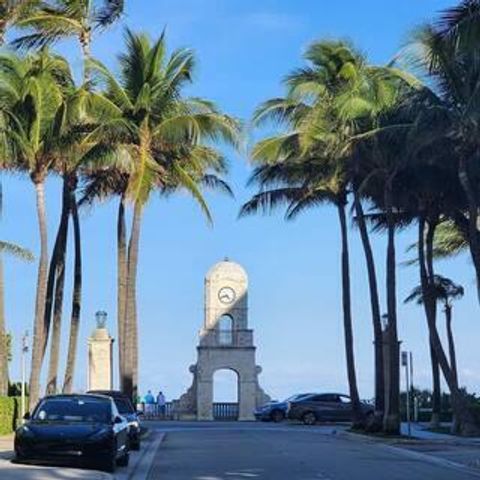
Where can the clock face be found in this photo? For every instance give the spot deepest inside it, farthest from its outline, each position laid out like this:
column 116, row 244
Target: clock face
column 226, row 295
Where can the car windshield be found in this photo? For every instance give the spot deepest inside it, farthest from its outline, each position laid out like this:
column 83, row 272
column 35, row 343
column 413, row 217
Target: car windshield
column 73, row 410
column 124, row 406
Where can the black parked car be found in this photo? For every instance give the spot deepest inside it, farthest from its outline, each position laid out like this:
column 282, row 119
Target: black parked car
column 277, row 411
column 326, row 407
column 80, row 429
column 127, row 410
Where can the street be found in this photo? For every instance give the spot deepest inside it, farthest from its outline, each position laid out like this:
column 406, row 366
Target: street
column 263, row 451
column 272, row 452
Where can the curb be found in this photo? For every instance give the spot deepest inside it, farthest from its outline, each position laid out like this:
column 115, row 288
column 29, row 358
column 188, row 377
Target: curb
column 463, row 442
column 145, row 461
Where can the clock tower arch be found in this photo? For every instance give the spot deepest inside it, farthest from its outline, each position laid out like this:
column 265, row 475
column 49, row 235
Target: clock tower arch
column 226, row 342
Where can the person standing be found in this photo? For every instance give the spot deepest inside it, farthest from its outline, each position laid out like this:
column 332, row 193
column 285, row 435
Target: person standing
column 149, row 404
column 161, row 403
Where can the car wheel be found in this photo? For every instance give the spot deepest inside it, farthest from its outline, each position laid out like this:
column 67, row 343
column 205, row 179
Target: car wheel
column 110, row 464
column 278, row 416
column 19, row 458
column 135, row 445
column 309, row 418
column 124, row 460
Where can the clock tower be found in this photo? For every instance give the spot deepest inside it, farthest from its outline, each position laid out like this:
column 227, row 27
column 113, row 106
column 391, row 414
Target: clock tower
column 226, row 342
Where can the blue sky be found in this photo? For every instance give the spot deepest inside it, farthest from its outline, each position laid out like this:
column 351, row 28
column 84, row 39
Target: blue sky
column 243, row 49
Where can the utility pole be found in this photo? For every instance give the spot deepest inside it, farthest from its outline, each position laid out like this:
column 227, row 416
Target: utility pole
column 24, row 371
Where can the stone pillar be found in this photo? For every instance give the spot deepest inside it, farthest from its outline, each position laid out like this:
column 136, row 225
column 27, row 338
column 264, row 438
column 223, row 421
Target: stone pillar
column 247, row 400
column 100, row 360
column 205, row 400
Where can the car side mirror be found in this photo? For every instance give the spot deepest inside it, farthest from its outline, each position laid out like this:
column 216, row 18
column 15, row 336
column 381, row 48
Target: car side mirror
column 27, row 416
column 118, row 420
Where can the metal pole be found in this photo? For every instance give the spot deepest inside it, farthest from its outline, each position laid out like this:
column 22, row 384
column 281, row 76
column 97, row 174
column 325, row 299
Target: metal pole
column 407, row 378
column 24, row 373
column 411, row 372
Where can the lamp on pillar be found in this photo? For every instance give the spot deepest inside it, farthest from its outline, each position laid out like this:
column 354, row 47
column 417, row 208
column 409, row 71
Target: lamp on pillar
column 101, row 319
column 100, row 355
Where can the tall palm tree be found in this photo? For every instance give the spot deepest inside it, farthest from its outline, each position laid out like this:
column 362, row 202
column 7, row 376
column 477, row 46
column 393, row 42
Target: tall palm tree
column 151, row 126
column 50, row 22
column 447, row 53
column 445, row 291
column 307, row 165
column 12, row 11
column 32, row 93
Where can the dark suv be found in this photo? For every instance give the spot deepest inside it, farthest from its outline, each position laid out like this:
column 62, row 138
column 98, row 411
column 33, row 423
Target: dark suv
column 126, row 410
column 325, row 407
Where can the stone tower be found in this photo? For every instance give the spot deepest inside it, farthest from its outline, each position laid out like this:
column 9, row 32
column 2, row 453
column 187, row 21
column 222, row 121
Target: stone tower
column 100, row 360
column 226, row 342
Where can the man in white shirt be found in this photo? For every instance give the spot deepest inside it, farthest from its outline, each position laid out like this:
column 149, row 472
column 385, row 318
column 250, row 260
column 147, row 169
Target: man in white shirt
column 161, row 402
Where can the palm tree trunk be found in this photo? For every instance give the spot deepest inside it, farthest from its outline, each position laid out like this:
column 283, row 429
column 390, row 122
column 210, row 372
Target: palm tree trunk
column 358, row 417
column 465, row 421
column 76, row 297
column 391, row 419
column 56, row 281
column 451, row 341
column 121, row 286
column 3, row 337
column 131, row 368
column 3, row 28
column 473, row 236
column 375, row 310
column 436, row 390
column 430, row 304
column 85, row 42
column 40, row 328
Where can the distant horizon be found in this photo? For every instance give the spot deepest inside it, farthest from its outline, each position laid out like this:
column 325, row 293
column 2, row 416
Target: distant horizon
column 244, row 51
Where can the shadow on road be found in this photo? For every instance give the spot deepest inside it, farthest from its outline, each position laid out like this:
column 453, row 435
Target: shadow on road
column 13, row 471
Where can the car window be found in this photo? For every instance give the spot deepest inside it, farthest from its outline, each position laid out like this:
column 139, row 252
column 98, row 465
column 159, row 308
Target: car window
column 73, row 410
column 326, row 397
column 124, row 406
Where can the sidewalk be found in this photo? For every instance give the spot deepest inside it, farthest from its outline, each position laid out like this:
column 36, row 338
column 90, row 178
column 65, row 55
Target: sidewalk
column 6, row 447
column 421, row 431
column 441, row 447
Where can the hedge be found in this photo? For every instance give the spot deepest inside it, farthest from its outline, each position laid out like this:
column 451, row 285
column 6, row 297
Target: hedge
column 9, row 414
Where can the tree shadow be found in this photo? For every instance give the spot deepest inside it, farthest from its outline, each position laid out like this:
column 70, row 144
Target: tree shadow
column 13, row 471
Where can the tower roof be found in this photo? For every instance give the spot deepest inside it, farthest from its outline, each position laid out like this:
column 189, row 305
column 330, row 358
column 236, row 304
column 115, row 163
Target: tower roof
column 226, row 268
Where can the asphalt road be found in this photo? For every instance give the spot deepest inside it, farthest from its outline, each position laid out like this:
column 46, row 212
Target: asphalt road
column 239, row 452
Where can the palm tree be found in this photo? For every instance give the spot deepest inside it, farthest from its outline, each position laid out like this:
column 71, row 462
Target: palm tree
column 307, row 165
column 150, row 126
column 446, row 53
column 32, row 93
column 50, row 22
column 55, row 20
column 445, row 291
column 12, row 11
